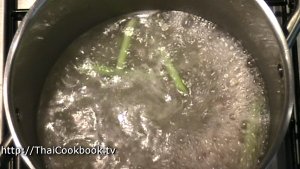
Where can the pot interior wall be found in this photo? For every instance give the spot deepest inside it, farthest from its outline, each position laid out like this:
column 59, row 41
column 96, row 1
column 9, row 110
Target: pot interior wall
column 52, row 25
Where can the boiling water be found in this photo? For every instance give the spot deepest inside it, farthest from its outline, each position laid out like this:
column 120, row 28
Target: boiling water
column 219, row 123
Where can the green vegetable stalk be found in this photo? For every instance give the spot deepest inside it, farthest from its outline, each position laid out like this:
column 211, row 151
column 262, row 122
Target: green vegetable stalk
column 173, row 73
column 126, row 43
column 252, row 140
column 104, row 70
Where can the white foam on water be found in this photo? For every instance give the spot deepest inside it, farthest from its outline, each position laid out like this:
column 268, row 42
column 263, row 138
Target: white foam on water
column 222, row 123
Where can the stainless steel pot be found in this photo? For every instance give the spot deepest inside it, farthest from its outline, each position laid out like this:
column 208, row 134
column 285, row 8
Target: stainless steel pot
column 51, row 25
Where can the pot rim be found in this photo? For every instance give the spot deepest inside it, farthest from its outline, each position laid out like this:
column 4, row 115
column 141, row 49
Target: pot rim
column 6, row 78
column 289, row 97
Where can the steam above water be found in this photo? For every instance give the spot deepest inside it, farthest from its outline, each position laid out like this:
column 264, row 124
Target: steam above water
column 221, row 123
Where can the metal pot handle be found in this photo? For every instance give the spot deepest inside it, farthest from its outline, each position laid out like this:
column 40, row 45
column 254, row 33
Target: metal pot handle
column 293, row 26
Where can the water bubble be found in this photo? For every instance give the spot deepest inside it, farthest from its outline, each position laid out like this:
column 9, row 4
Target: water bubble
column 232, row 116
column 244, row 124
column 187, row 22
